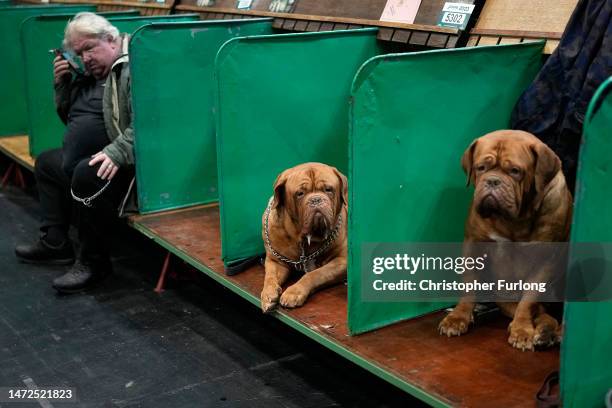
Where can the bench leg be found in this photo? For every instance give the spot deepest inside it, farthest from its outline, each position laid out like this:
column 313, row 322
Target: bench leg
column 162, row 276
column 19, row 177
column 7, row 174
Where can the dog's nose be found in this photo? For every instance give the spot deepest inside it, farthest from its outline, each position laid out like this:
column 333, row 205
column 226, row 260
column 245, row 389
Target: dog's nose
column 493, row 181
column 314, row 201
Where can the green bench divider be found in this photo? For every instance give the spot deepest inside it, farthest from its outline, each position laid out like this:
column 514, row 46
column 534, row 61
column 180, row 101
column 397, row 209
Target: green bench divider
column 13, row 111
column 38, row 36
column 282, row 100
column 586, row 348
column 172, row 68
column 412, row 117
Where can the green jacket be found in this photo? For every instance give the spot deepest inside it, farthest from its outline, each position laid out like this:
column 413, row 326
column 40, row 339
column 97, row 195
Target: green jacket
column 116, row 106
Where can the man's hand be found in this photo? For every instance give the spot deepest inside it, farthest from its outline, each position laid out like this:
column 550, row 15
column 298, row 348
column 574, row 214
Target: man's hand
column 61, row 70
column 108, row 169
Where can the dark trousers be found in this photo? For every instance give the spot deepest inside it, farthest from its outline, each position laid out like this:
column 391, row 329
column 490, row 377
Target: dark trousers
column 95, row 223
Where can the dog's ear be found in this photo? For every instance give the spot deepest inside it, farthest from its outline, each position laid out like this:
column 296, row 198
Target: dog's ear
column 343, row 187
column 279, row 191
column 467, row 161
column 547, row 164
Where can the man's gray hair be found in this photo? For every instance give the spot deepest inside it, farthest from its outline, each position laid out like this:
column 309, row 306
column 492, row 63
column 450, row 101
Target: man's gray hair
column 89, row 25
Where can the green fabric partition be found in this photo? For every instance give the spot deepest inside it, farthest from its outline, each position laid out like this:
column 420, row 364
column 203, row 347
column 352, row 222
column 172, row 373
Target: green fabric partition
column 412, row 117
column 38, row 36
column 586, row 375
column 13, row 116
column 176, row 157
column 283, row 100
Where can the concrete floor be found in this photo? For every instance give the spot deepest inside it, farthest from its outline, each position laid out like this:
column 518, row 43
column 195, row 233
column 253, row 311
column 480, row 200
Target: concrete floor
column 122, row 345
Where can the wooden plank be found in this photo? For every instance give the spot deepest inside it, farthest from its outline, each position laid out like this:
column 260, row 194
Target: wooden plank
column 300, row 25
column 324, row 18
column 452, row 41
column 402, row 36
column 473, row 41
column 385, row 34
column 527, row 19
column 485, row 40
column 473, row 370
column 18, row 149
column 313, row 26
column 551, row 45
column 510, row 40
column 419, row 38
column 437, row 41
column 517, row 33
column 365, row 9
column 326, row 26
column 526, row 15
column 108, row 4
column 289, row 24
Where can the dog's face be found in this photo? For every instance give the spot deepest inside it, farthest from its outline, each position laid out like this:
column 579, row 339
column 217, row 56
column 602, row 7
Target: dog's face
column 508, row 168
column 312, row 195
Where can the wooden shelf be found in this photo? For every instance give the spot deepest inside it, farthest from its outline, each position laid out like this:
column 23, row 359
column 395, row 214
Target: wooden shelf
column 412, row 34
column 118, row 5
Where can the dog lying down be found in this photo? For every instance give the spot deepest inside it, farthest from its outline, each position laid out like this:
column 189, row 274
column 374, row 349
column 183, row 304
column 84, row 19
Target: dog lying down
column 304, row 229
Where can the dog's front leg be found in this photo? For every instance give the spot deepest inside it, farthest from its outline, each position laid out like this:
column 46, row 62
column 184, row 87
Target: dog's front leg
column 458, row 321
column 276, row 275
column 328, row 274
column 521, row 327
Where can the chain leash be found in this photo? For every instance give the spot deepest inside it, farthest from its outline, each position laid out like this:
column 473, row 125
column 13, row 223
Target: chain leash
column 301, row 263
column 87, row 201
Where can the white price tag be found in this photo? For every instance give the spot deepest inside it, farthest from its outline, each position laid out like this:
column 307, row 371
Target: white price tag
column 244, row 4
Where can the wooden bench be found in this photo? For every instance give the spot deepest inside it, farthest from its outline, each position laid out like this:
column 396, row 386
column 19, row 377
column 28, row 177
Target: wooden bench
column 17, row 148
column 475, row 370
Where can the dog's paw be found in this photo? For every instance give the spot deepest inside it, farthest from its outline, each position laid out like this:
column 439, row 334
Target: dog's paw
column 294, row 296
column 454, row 325
column 521, row 336
column 269, row 298
column 546, row 335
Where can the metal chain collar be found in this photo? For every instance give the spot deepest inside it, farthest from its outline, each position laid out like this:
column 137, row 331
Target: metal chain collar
column 87, row 201
column 301, row 263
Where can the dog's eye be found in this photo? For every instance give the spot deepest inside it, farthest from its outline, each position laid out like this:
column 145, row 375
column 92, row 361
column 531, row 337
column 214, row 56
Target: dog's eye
column 329, row 190
column 515, row 171
column 299, row 194
column 482, row 167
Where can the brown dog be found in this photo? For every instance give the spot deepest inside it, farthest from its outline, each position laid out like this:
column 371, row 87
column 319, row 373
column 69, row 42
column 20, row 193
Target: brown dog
column 520, row 196
column 304, row 228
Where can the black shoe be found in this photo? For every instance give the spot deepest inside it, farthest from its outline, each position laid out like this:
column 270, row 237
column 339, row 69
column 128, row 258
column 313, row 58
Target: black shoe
column 81, row 276
column 42, row 253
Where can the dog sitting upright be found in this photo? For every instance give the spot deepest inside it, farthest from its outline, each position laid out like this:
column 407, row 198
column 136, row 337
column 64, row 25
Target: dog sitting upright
column 520, row 196
column 304, row 228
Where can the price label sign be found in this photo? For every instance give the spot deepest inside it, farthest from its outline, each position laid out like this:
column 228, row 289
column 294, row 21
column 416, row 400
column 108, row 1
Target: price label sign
column 455, row 15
